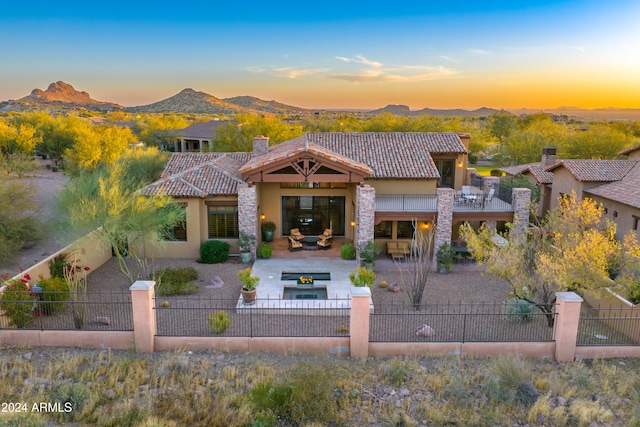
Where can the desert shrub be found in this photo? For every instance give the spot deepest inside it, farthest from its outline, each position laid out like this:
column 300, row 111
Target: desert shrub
column 264, row 251
column 396, row 372
column 362, row 277
column 22, row 419
column 176, row 281
column 219, row 321
column 55, row 292
column 214, row 252
column 74, row 395
column 347, row 251
column 17, row 304
column 57, row 265
column 307, row 395
column 633, row 292
column 508, row 380
column 518, row 310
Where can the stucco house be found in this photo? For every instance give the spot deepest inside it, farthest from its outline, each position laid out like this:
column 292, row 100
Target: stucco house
column 362, row 186
column 613, row 183
column 197, row 137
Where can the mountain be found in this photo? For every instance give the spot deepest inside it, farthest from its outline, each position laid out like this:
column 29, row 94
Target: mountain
column 403, row 110
column 58, row 95
column 258, row 104
column 191, row 101
column 582, row 114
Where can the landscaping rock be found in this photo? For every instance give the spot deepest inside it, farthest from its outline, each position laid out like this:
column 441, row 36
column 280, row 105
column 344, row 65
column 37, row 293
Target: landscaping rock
column 102, row 320
column 425, row 331
column 215, row 283
column 394, row 287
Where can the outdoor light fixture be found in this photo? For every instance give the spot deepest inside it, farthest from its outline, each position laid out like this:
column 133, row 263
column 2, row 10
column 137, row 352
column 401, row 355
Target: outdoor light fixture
column 460, row 164
column 353, row 223
column 262, row 216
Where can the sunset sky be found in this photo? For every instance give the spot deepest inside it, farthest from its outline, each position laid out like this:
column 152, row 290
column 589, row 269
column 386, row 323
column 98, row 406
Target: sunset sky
column 330, row 54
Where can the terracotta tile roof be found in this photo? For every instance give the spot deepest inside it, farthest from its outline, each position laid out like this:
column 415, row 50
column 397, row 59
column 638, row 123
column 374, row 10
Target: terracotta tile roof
column 396, row 155
column 629, row 150
column 540, row 174
column 299, row 145
column 595, row 170
column 625, row 191
column 200, row 175
column 377, row 155
column 517, row 169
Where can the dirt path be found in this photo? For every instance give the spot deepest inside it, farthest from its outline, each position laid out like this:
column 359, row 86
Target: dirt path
column 47, row 185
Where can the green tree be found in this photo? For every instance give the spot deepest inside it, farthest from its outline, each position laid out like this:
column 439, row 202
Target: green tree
column 574, row 249
column 599, row 141
column 158, row 130
column 98, row 144
column 108, row 201
column 239, row 136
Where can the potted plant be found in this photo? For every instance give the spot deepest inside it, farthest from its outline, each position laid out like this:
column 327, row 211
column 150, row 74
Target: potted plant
column 245, row 243
column 368, row 253
column 249, row 283
column 444, row 257
column 268, row 229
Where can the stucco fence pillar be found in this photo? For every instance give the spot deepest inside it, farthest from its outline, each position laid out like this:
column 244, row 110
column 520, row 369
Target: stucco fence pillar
column 565, row 328
column 365, row 216
column 248, row 212
column 359, row 322
column 144, row 318
column 446, row 197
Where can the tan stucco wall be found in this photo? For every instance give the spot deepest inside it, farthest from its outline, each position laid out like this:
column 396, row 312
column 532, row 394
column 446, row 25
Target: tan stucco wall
column 564, row 182
column 270, row 202
column 624, row 218
column 403, row 186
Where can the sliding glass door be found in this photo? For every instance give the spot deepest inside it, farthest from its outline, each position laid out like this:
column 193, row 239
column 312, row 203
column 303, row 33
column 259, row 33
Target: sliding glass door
column 313, row 214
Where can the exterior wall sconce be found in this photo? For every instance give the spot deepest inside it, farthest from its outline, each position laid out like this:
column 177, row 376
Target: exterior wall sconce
column 426, row 225
column 460, row 164
column 353, row 223
column 262, row 216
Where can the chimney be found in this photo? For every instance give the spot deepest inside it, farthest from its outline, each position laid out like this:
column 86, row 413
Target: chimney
column 260, row 145
column 548, row 156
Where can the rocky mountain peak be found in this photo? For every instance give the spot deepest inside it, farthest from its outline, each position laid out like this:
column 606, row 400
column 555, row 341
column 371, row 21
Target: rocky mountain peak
column 61, row 92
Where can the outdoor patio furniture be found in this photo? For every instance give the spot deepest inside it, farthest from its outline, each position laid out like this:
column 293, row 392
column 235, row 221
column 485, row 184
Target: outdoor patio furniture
column 327, row 234
column 295, row 233
column 324, row 243
column 294, row 245
column 490, row 195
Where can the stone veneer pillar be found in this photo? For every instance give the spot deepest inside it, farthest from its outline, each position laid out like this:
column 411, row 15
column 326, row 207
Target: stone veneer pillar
column 521, row 201
column 365, row 216
column 248, row 211
column 489, row 182
column 469, row 176
column 444, row 223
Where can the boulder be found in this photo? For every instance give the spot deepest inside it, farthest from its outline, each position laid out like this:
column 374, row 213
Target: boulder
column 425, row 331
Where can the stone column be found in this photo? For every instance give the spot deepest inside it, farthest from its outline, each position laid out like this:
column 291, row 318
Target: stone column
column 144, row 318
column 489, row 182
column 365, row 216
column 183, row 145
column 359, row 322
column 521, row 201
column 565, row 328
column 248, row 211
column 200, row 144
column 444, row 223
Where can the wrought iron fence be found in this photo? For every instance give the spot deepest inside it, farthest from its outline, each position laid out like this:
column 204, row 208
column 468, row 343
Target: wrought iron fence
column 187, row 316
column 504, row 193
column 477, row 181
column 478, row 322
column 609, row 326
column 90, row 311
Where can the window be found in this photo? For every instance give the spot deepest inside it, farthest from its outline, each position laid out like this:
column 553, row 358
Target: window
column 405, row 230
column 635, row 222
column 446, row 169
column 383, row 230
column 223, row 222
column 313, row 185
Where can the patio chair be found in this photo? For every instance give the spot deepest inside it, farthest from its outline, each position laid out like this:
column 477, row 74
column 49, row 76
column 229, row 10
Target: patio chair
column 466, row 190
column 490, row 195
column 294, row 245
column 296, row 234
column 324, row 243
column 327, row 234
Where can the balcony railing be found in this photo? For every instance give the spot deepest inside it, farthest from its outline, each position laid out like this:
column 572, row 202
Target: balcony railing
column 406, row 202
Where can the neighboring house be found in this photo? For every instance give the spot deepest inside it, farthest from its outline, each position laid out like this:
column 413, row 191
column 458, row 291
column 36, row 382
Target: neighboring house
column 198, row 136
column 363, row 186
column 538, row 175
column 613, row 183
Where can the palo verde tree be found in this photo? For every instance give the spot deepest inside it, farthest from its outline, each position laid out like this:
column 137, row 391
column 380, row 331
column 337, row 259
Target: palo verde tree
column 574, row 249
column 109, row 202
